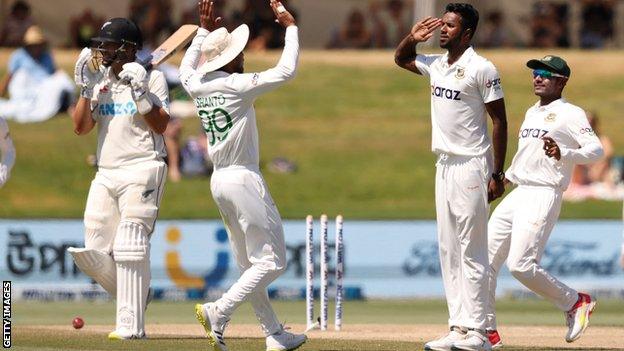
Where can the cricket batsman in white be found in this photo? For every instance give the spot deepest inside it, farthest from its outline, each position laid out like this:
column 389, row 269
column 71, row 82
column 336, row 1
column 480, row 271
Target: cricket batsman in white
column 129, row 106
column 554, row 136
column 224, row 97
column 7, row 152
column 465, row 87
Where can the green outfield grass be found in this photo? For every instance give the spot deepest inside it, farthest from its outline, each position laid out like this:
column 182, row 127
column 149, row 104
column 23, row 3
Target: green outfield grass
column 27, row 316
column 511, row 312
column 357, row 127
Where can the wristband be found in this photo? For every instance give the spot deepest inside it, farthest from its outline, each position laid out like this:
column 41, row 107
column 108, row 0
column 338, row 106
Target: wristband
column 499, row 176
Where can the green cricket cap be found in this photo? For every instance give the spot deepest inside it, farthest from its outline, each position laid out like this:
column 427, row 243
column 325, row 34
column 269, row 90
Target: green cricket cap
column 551, row 63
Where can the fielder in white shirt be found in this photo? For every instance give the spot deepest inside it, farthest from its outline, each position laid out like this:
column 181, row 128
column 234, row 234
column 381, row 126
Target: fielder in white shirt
column 554, row 136
column 224, row 97
column 7, row 152
column 129, row 106
column 465, row 88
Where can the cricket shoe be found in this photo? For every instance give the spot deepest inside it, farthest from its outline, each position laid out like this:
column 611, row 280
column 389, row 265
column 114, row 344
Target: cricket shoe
column 577, row 318
column 446, row 342
column 214, row 323
column 284, row 341
column 124, row 334
column 495, row 339
column 474, row 341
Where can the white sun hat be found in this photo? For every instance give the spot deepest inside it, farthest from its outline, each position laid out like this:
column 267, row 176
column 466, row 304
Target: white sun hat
column 220, row 47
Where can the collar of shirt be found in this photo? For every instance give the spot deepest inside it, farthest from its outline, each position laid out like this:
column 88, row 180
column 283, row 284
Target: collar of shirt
column 465, row 56
column 110, row 75
column 550, row 106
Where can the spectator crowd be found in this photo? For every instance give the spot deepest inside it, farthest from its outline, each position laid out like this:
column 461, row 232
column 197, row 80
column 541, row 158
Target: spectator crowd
column 372, row 24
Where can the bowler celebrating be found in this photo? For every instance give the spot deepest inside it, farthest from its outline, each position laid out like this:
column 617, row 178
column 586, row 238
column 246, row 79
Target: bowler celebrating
column 464, row 86
column 224, row 97
column 554, row 136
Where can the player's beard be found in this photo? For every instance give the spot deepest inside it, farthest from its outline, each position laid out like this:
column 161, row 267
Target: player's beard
column 452, row 42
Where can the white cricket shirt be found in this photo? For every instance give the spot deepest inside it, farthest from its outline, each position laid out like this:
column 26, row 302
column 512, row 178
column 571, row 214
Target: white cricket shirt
column 7, row 150
column 567, row 124
column 124, row 138
column 224, row 101
column 459, row 93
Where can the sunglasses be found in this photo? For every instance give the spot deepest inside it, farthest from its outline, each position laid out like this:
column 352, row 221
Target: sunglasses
column 546, row 74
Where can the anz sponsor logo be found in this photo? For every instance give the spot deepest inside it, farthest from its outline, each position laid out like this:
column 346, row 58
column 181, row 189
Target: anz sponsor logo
column 533, row 133
column 117, row 109
column 445, row 93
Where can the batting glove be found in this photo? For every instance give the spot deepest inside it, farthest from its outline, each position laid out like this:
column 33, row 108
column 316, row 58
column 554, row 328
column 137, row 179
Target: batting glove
column 84, row 76
column 136, row 76
column 4, row 174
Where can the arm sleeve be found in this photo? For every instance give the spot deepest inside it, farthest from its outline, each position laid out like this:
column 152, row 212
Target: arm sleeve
column 188, row 66
column 590, row 149
column 158, row 90
column 15, row 62
column 7, row 150
column 254, row 84
column 423, row 63
column 489, row 83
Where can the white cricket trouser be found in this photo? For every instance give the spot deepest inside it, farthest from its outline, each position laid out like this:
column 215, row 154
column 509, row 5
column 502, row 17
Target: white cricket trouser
column 255, row 231
column 122, row 194
column 518, row 231
column 461, row 213
column 121, row 211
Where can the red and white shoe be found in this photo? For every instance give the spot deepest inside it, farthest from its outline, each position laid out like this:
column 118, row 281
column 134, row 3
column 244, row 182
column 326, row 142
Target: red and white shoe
column 495, row 339
column 577, row 318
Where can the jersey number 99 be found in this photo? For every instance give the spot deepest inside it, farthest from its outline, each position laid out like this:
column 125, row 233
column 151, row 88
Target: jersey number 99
column 216, row 123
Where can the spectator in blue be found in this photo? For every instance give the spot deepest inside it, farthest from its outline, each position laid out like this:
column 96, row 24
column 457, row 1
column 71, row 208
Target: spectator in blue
column 36, row 89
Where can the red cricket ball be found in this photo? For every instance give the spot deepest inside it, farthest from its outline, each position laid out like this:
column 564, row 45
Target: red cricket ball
column 78, row 323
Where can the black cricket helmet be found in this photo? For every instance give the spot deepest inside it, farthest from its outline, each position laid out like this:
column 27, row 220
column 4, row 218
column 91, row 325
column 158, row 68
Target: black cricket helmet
column 120, row 31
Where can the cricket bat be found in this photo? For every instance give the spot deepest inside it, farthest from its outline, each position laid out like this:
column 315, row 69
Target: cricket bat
column 170, row 46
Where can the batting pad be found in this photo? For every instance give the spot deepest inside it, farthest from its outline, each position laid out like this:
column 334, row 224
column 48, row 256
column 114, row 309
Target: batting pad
column 131, row 252
column 97, row 265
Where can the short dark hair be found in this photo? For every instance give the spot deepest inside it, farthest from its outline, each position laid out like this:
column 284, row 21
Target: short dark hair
column 469, row 15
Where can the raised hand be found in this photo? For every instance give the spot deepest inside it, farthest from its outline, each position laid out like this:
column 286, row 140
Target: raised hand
column 207, row 18
column 282, row 15
column 423, row 30
column 84, row 76
column 136, row 75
